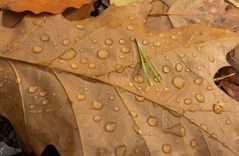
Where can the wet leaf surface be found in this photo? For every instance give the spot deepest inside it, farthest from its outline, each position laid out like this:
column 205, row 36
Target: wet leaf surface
column 80, row 86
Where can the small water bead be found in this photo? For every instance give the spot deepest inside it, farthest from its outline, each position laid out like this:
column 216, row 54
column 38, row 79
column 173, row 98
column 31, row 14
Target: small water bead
column 92, row 65
column 228, row 122
column 204, row 127
column 2, row 68
column 173, row 37
column 116, row 108
column 108, row 42
column 181, row 55
column 209, row 87
column 37, row 49
column 120, row 150
column 134, row 114
column 145, row 42
column 193, row 143
column 139, row 98
column 199, row 67
column 110, row 127
column 211, row 59
column 68, row 54
column 43, row 93
column 84, row 61
column 80, row 27
column 187, row 101
column 125, row 50
column 45, row 38
column 139, row 78
column 194, row 55
column 103, row 54
column 166, row 148
column 1, row 84
column 97, row 105
column 32, row 106
column 166, row 69
column 66, row 42
column 152, row 121
column 199, row 97
column 198, row 81
column 166, row 89
column 179, row 67
column 130, row 84
column 74, row 66
column 80, row 97
column 32, row 89
column 130, row 28
column 97, row 118
column 122, row 41
column 45, row 101
column 156, row 44
column 112, row 97
column 178, row 82
column 237, row 141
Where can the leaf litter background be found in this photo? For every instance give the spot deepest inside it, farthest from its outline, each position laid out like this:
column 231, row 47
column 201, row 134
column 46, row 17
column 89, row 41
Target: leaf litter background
column 79, row 85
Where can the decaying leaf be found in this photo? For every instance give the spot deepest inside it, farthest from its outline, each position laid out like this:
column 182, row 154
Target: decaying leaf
column 217, row 12
column 39, row 6
column 80, row 87
column 124, row 2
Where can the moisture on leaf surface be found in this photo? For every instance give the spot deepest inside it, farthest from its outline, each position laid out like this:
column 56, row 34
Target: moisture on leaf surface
column 80, row 87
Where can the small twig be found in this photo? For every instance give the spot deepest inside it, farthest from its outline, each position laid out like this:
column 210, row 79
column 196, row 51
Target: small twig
column 223, row 77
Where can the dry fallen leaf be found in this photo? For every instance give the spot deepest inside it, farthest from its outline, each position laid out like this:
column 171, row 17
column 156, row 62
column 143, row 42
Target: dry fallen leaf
column 39, row 6
column 218, row 13
column 79, row 86
column 122, row 2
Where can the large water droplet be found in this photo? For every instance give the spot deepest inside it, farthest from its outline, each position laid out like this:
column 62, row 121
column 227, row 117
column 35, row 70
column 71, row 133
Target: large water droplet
column 97, row 105
column 68, row 54
column 37, row 49
column 199, row 97
column 218, row 107
column 110, row 127
column 120, row 150
column 32, row 89
column 103, row 54
column 97, row 118
column 80, row 97
column 178, row 82
column 152, row 121
column 166, row 148
column 45, row 37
